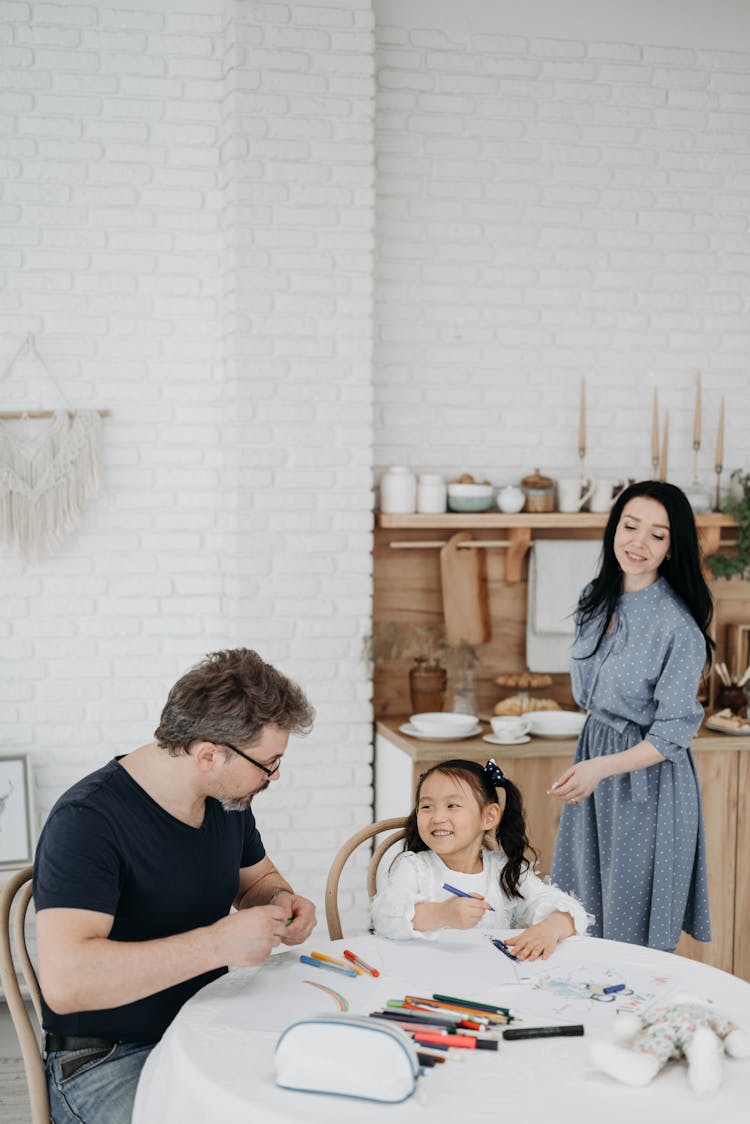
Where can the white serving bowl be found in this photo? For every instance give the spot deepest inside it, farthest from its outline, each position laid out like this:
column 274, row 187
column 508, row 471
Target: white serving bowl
column 444, row 723
column 556, row 723
column 470, row 497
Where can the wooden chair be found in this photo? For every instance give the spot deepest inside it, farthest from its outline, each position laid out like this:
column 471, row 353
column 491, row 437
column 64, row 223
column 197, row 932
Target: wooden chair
column 362, row 836
column 14, row 904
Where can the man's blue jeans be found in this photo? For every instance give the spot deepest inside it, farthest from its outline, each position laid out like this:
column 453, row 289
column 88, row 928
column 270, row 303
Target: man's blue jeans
column 99, row 1091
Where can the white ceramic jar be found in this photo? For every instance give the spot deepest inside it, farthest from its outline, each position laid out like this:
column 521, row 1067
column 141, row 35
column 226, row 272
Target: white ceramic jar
column 398, row 491
column 431, row 494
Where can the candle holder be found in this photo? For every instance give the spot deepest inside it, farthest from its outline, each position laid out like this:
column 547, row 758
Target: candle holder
column 719, row 469
column 581, row 457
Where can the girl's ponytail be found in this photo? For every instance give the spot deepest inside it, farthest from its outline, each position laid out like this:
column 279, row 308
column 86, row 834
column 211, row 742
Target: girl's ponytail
column 512, row 838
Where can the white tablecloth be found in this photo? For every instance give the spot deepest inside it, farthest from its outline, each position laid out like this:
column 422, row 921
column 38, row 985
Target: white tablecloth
column 216, row 1061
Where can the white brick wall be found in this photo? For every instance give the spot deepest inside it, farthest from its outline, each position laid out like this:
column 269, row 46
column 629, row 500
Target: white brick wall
column 550, row 207
column 186, row 225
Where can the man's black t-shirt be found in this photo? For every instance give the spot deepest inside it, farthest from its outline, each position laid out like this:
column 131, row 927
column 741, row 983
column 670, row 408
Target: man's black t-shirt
column 107, row 846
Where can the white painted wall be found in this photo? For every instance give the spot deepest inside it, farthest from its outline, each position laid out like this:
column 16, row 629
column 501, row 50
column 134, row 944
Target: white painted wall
column 562, row 190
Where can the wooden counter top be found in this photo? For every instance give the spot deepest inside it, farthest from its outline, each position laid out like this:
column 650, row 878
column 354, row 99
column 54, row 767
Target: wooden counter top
column 422, row 749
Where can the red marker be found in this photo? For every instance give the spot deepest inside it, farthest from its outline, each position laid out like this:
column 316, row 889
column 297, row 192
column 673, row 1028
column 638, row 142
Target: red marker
column 360, row 963
column 465, row 1041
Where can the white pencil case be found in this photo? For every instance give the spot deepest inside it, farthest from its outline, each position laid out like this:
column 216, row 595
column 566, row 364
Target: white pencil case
column 348, row 1057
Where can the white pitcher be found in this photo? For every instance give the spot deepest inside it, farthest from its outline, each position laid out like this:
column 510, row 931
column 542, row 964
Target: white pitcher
column 572, row 493
column 602, row 496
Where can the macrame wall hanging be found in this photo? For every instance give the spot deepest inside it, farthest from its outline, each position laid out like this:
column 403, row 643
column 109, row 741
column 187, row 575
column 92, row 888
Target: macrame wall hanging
column 47, row 477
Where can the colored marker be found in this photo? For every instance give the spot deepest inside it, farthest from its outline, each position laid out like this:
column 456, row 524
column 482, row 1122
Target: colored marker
column 360, row 963
column 458, row 1041
column 611, row 990
column 463, row 894
column 504, row 948
column 407, row 1019
column 573, row 1031
column 328, row 967
column 488, row 1007
column 332, row 960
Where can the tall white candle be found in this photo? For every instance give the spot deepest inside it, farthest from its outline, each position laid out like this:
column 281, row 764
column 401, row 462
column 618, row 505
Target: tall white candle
column 664, row 448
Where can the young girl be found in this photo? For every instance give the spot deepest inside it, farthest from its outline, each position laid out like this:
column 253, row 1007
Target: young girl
column 456, row 806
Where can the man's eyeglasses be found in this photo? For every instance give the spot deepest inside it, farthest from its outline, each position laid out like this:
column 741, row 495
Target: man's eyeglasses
column 263, row 768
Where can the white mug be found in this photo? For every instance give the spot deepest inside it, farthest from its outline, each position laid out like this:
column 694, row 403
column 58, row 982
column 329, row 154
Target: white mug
column 572, row 493
column 602, row 497
column 509, row 728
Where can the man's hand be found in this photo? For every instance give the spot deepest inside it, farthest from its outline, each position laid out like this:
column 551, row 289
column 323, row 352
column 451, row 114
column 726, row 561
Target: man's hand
column 248, row 937
column 299, row 916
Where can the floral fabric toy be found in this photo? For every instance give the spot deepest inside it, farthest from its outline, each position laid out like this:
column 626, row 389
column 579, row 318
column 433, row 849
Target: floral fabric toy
column 687, row 1027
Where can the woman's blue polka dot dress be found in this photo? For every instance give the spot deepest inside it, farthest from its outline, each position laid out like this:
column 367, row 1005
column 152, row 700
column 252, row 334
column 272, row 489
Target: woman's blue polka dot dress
column 634, row 852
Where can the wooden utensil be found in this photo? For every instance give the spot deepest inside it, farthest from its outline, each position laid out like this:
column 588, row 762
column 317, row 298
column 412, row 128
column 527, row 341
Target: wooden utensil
column 466, row 607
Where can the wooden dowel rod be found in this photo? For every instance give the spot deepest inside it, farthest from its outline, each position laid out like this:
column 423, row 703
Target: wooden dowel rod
column 475, row 544
column 18, row 415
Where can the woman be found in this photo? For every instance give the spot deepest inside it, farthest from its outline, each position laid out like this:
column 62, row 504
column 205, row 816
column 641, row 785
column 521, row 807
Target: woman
column 631, row 842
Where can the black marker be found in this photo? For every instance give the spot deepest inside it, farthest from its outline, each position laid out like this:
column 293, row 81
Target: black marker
column 575, row 1030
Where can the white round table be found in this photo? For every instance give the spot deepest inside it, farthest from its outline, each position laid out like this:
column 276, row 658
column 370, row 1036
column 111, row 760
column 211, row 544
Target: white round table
column 216, row 1061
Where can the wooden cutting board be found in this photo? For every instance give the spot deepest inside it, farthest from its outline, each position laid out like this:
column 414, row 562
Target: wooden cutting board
column 466, row 606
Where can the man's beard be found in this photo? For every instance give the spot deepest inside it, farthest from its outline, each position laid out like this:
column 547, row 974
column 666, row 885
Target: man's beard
column 241, row 803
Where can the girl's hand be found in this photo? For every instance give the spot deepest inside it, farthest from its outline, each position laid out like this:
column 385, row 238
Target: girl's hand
column 457, row 913
column 579, row 781
column 541, row 939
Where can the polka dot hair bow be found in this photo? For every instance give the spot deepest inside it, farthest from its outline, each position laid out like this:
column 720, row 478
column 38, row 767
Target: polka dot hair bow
column 494, row 773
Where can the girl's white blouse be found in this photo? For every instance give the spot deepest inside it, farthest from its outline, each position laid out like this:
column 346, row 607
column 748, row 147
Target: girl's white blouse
column 419, row 876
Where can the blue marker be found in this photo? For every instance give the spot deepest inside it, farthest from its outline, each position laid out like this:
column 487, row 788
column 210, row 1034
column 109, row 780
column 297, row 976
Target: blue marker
column 328, row 967
column 503, row 948
column 463, row 894
column 615, row 987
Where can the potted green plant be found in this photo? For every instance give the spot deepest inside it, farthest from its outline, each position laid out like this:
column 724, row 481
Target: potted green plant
column 738, row 506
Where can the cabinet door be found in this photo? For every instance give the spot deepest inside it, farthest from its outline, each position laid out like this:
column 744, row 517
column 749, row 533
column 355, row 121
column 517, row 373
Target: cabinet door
column 718, row 774
column 742, row 899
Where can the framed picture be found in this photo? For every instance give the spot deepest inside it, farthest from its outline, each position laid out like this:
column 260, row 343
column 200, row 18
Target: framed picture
column 16, row 840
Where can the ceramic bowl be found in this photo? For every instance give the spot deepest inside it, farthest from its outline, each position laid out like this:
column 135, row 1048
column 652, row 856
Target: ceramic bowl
column 470, row 497
column 444, row 722
column 556, row 723
column 510, row 500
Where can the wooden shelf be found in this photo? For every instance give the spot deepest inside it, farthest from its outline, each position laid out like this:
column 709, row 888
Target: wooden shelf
column 519, row 530
column 549, row 521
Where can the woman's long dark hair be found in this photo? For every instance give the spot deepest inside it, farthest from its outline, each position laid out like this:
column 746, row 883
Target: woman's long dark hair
column 681, row 567
column 510, row 833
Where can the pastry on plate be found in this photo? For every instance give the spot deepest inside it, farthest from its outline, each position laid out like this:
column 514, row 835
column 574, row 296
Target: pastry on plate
column 727, row 720
column 518, row 704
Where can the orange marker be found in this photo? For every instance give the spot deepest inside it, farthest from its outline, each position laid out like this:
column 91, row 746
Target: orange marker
column 333, row 960
column 360, row 963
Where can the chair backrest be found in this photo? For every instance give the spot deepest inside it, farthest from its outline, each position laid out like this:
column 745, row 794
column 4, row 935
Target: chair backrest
column 14, row 904
column 364, row 835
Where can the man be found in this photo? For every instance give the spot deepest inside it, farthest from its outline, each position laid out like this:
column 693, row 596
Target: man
column 137, row 868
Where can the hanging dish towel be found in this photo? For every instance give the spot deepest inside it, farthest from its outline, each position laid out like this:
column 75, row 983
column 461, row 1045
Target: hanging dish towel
column 558, row 571
column 46, row 481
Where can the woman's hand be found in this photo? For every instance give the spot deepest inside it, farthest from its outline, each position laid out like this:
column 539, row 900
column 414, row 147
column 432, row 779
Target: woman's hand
column 541, row 940
column 579, row 781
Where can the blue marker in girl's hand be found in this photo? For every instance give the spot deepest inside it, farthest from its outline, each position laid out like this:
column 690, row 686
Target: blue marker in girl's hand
column 463, row 894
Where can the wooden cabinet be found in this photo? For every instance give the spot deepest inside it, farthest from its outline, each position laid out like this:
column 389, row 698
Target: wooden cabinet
column 723, row 765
